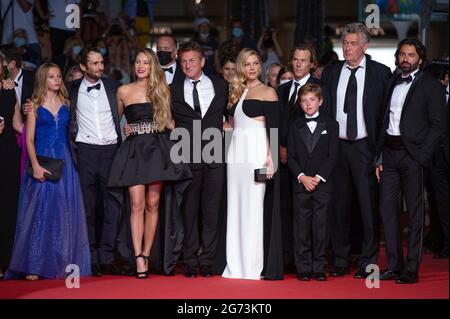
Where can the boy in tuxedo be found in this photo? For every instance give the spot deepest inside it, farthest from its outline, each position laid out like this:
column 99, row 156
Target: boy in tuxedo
column 312, row 153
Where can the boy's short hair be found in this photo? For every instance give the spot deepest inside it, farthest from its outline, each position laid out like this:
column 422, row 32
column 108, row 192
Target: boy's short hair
column 310, row 88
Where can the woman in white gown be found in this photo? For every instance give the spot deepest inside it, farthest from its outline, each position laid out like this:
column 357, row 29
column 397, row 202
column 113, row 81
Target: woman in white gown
column 253, row 238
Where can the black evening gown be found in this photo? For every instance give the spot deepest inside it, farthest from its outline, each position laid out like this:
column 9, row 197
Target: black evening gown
column 9, row 177
column 141, row 160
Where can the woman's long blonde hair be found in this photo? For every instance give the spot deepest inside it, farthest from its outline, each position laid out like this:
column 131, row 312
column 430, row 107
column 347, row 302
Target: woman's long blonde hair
column 237, row 85
column 40, row 85
column 158, row 92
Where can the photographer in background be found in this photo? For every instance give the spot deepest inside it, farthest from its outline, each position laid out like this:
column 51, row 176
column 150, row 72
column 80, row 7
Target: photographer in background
column 269, row 48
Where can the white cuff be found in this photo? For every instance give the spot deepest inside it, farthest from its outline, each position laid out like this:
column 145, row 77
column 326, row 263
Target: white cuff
column 300, row 175
column 321, row 178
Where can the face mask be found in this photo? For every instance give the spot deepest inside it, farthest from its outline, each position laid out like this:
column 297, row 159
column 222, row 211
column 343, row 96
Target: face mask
column 204, row 35
column 19, row 42
column 103, row 51
column 76, row 50
column 237, row 32
column 165, row 57
column 284, row 81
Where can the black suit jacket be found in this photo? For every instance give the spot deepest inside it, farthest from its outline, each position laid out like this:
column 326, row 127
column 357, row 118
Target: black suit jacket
column 27, row 86
column 73, row 88
column 318, row 159
column 421, row 122
column 179, row 75
column 376, row 77
column 184, row 116
column 111, row 87
column 445, row 137
column 285, row 118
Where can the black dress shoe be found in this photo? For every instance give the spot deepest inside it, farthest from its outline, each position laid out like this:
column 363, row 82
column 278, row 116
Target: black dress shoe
column 206, row 272
column 389, row 275
column 190, row 273
column 320, row 276
column 304, row 276
column 339, row 271
column 407, row 278
column 95, row 270
column 361, row 273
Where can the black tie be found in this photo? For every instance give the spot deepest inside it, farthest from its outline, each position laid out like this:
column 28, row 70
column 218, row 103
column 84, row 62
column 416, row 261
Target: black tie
column 196, row 99
column 406, row 80
column 312, row 119
column 170, row 70
column 350, row 105
column 18, row 80
column 292, row 100
column 94, row 87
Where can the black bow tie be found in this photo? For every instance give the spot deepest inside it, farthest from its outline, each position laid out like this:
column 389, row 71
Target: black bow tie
column 311, row 119
column 94, row 87
column 406, row 80
column 170, row 70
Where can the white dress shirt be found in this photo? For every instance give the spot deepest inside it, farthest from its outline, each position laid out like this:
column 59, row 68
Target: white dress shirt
column 18, row 88
column 312, row 124
column 396, row 106
column 446, row 94
column 301, row 82
column 169, row 76
column 94, row 116
column 341, row 117
column 312, row 127
column 205, row 89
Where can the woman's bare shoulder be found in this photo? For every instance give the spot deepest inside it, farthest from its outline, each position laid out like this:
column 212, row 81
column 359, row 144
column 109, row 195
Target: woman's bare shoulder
column 269, row 94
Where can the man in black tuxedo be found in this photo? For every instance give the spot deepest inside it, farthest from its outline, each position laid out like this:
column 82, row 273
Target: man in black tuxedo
column 312, row 155
column 437, row 179
column 302, row 59
column 166, row 49
column 355, row 89
column 410, row 132
column 440, row 181
column 199, row 103
column 23, row 80
column 95, row 135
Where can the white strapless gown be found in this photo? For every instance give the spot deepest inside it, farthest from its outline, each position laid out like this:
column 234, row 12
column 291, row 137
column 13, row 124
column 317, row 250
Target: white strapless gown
column 245, row 210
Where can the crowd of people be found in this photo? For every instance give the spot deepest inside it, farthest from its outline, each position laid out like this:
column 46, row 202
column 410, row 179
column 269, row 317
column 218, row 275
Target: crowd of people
column 307, row 140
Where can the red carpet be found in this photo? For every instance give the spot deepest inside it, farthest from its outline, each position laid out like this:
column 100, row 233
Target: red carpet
column 433, row 284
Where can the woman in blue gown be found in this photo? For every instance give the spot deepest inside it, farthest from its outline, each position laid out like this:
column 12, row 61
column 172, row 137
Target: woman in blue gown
column 51, row 228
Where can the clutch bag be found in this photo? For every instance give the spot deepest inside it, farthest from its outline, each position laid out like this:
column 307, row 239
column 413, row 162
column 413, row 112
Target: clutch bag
column 53, row 165
column 261, row 175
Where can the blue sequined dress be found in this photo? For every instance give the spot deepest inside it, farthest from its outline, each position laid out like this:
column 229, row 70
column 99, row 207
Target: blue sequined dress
column 51, row 230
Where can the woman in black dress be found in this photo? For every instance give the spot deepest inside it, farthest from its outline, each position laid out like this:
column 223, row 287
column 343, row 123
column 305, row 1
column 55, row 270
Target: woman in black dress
column 10, row 121
column 143, row 162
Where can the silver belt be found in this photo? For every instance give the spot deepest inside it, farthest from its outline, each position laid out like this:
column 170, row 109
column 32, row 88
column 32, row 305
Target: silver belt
column 145, row 127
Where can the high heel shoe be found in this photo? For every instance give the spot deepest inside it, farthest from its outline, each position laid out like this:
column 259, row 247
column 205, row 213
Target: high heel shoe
column 147, row 261
column 141, row 274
